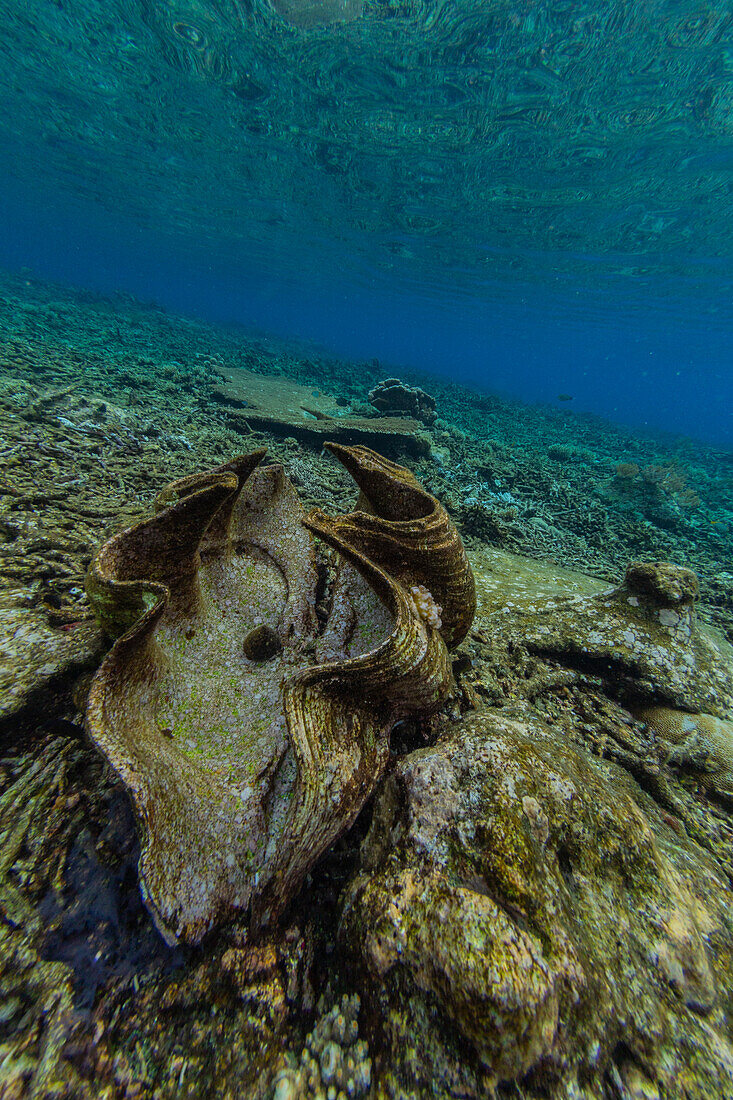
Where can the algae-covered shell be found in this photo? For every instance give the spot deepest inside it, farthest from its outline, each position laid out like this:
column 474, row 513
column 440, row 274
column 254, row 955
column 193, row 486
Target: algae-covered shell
column 242, row 772
column 402, row 527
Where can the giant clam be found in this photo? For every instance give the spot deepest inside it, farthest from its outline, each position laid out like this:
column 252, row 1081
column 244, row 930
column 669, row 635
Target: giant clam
column 247, row 730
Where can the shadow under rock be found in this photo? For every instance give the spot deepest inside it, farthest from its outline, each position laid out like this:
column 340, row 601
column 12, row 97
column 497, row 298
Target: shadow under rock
column 99, row 927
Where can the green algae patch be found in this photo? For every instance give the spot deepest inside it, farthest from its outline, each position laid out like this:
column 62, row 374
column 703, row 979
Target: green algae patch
column 510, row 580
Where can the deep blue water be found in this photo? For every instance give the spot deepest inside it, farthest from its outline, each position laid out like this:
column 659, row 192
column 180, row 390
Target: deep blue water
column 533, row 199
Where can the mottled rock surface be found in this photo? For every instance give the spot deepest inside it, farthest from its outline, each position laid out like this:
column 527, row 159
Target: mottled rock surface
column 525, row 912
column 643, row 638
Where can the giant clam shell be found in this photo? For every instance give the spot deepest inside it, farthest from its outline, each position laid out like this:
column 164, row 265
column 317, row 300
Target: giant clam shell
column 242, row 772
column 401, row 526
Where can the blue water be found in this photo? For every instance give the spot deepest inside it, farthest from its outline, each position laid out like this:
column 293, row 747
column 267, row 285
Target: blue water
column 532, row 199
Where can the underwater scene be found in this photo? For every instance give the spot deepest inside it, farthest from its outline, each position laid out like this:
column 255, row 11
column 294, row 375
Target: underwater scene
column 366, row 550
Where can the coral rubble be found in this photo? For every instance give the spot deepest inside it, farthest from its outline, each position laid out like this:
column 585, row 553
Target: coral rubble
column 333, row 1059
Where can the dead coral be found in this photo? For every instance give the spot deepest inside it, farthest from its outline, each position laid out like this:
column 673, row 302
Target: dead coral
column 391, row 397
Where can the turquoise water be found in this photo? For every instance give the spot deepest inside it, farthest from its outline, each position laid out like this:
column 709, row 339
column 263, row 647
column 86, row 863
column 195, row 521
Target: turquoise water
column 281, row 842
column 534, row 198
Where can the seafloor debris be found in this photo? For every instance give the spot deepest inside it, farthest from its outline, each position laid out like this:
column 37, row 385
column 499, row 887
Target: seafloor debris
column 395, row 398
column 41, row 812
column 241, row 771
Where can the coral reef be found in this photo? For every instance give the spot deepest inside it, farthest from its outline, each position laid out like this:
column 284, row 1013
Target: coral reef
column 88, row 432
column 243, row 771
column 391, row 397
column 280, row 406
column 334, row 1063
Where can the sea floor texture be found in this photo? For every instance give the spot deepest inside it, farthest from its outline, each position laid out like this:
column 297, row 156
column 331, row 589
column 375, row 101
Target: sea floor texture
column 537, row 901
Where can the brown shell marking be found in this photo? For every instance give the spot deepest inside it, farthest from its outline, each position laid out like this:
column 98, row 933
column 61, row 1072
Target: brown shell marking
column 402, row 527
column 340, row 716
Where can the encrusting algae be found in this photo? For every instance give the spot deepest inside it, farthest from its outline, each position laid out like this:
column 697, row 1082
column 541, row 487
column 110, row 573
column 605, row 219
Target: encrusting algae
column 243, row 770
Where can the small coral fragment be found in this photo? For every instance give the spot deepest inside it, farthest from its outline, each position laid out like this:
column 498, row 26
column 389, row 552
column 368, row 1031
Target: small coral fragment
column 393, row 397
column 428, row 610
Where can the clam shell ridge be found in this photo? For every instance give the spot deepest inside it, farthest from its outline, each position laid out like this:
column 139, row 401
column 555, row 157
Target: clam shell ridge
column 404, row 529
column 242, row 773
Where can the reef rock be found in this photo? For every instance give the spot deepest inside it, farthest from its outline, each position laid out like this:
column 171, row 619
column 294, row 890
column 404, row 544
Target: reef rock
column 524, row 912
column 643, row 638
column 247, row 732
column 258, row 402
column 395, row 398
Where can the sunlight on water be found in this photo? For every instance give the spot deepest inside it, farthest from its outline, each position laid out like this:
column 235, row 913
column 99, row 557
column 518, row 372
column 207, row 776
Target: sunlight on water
column 366, row 549
column 446, row 145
